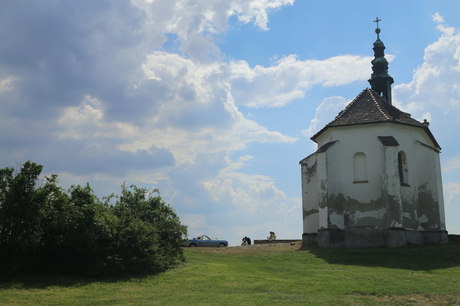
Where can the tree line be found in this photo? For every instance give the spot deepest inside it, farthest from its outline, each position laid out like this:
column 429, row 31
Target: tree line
column 47, row 229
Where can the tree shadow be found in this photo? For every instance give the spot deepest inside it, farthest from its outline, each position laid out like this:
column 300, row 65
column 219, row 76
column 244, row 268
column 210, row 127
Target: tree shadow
column 411, row 257
column 43, row 281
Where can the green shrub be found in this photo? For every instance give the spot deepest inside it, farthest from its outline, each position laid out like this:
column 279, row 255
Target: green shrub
column 149, row 232
column 20, row 218
column 46, row 228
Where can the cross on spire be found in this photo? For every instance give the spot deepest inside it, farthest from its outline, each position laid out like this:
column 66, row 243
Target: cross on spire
column 380, row 79
column 377, row 30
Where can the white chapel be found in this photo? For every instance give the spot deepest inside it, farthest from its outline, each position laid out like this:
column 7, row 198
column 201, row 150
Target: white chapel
column 375, row 179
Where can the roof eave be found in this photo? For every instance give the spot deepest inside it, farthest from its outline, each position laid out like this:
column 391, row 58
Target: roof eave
column 425, row 128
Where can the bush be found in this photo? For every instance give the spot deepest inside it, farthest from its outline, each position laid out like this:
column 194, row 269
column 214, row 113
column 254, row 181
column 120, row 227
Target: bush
column 47, row 228
column 148, row 235
column 20, row 218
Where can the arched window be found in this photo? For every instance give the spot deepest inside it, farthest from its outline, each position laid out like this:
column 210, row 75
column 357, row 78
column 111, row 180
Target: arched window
column 402, row 167
column 359, row 168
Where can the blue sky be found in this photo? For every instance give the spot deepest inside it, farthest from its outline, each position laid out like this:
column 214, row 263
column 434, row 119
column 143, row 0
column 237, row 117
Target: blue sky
column 214, row 102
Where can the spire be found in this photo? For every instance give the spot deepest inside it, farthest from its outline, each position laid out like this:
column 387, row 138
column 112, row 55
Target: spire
column 380, row 79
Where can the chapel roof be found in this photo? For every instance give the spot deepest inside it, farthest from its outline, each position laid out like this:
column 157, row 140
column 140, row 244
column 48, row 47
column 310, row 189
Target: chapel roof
column 374, row 105
column 369, row 107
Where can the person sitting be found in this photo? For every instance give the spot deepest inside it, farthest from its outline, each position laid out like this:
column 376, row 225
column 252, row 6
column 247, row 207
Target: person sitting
column 272, row 236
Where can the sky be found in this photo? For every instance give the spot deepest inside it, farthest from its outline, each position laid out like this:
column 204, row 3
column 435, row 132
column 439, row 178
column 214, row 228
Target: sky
column 214, row 102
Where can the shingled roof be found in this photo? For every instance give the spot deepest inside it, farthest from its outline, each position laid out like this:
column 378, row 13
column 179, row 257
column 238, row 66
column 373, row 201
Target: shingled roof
column 369, row 107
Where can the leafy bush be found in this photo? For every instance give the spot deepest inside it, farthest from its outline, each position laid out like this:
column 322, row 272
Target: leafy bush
column 47, row 228
column 20, row 218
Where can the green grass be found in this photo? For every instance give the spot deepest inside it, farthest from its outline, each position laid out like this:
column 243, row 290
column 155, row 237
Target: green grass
column 271, row 275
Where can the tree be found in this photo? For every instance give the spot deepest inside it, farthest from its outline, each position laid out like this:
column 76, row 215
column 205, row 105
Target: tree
column 74, row 230
column 20, row 218
column 47, row 228
column 149, row 231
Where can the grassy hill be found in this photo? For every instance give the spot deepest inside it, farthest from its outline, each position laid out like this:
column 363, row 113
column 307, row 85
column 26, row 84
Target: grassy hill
column 275, row 274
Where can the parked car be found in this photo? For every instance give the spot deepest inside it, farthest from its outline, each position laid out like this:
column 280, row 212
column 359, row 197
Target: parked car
column 205, row 241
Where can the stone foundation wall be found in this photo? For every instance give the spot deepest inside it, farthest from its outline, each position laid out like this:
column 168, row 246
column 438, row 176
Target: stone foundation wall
column 370, row 237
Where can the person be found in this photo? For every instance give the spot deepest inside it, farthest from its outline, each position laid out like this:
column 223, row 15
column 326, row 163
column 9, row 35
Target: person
column 272, row 236
column 248, row 240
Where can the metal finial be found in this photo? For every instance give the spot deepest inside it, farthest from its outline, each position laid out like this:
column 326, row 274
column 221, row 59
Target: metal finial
column 380, row 79
column 377, row 30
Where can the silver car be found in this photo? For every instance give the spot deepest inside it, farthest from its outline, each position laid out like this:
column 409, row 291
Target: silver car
column 205, row 241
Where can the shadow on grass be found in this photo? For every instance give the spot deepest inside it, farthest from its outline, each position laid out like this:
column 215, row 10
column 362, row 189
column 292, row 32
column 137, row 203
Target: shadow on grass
column 43, row 281
column 411, row 257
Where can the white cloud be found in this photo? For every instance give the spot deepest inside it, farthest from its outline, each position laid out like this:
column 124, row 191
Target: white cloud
column 289, row 78
column 435, row 84
column 253, row 199
column 451, row 164
column 256, row 10
column 86, row 121
column 185, row 16
column 325, row 113
column 197, row 112
column 193, row 221
column 452, row 190
column 438, row 18
column 192, row 21
column 6, row 84
column 251, row 194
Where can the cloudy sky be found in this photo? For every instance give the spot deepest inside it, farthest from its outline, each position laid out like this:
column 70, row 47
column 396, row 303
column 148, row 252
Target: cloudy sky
column 214, row 101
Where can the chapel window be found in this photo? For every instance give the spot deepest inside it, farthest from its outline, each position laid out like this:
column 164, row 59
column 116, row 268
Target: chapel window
column 359, row 168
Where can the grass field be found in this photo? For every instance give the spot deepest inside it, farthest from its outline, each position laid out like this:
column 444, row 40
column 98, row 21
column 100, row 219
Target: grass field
column 275, row 274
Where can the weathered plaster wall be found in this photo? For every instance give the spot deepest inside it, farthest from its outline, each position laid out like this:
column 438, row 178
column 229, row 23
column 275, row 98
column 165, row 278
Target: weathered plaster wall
column 427, row 187
column 390, row 187
column 323, row 189
column 333, row 200
column 310, row 194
